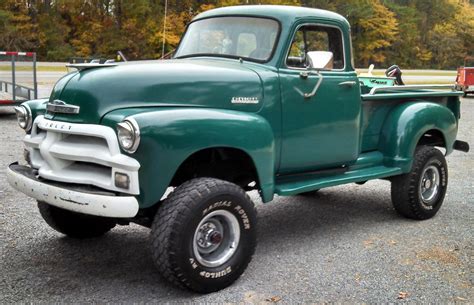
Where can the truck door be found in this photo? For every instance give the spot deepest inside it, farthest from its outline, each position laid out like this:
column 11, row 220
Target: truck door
column 321, row 131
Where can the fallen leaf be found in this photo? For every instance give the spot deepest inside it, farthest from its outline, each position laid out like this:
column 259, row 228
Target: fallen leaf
column 402, row 295
column 461, row 299
column 357, row 277
column 368, row 242
column 439, row 255
column 248, row 295
column 274, row 299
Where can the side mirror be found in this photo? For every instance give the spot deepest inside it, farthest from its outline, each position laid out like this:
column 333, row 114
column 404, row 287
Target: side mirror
column 318, row 60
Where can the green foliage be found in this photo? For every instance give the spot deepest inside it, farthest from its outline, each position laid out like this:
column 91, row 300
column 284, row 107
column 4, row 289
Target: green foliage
column 374, row 30
column 411, row 33
column 17, row 29
column 433, row 33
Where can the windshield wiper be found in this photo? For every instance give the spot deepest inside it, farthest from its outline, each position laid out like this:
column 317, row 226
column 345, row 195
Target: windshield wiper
column 219, row 55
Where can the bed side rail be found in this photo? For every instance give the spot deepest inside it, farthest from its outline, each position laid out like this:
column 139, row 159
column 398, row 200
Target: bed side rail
column 411, row 87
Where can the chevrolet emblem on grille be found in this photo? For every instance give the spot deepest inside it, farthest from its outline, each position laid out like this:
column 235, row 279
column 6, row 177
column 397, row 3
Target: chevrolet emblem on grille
column 58, row 106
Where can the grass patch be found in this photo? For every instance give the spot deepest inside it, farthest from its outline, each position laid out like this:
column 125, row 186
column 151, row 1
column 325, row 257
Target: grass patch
column 429, row 82
column 429, row 73
column 39, row 69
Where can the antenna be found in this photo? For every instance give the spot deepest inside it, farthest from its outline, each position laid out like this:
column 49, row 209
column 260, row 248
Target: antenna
column 164, row 30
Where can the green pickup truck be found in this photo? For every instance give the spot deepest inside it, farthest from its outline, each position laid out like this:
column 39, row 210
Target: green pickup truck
column 259, row 98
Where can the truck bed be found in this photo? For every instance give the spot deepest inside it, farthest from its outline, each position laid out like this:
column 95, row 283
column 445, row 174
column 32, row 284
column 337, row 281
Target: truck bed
column 380, row 101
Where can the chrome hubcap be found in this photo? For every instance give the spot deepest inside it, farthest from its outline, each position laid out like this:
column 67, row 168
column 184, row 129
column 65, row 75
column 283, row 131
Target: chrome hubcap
column 429, row 185
column 216, row 238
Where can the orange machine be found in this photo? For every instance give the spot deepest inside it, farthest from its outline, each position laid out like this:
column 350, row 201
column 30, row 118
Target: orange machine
column 465, row 80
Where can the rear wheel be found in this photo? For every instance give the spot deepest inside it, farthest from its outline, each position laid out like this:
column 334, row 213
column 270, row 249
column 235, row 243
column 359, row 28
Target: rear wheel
column 204, row 235
column 420, row 193
column 73, row 224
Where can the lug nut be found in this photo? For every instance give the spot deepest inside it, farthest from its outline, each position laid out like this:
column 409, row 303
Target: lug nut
column 216, row 237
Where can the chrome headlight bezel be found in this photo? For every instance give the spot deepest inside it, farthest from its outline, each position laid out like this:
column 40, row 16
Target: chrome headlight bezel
column 24, row 117
column 128, row 135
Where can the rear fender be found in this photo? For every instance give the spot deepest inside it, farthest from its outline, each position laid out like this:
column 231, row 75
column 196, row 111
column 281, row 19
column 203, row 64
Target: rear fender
column 405, row 126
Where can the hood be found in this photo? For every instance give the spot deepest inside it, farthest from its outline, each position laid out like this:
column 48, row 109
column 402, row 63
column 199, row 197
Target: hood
column 209, row 83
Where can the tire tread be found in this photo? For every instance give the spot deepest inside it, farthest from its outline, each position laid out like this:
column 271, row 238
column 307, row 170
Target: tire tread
column 169, row 217
column 404, row 187
column 74, row 224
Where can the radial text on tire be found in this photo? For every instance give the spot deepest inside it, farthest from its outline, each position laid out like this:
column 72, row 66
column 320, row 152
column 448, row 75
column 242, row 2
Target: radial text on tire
column 204, row 234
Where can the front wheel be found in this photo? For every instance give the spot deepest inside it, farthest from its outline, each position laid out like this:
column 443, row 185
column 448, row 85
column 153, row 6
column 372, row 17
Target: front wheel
column 73, row 224
column 204, row 235
column 420, row 193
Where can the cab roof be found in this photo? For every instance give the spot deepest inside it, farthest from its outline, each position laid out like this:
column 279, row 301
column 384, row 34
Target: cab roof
column 282, row 13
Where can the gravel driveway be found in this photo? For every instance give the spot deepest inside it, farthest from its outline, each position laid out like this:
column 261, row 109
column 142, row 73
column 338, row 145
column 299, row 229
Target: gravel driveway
column 345, row 244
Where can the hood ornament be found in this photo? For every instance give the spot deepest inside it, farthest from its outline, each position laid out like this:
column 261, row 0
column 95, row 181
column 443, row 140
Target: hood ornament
column 92, row 65
column 58, row 106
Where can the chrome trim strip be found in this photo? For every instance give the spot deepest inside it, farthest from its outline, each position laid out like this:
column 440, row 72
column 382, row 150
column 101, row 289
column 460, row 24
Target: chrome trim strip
column 411, row 87
column 58, row 106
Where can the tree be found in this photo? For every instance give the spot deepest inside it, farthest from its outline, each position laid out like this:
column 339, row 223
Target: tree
column 408, row 50
column 375, row 29
column 411, row 33
column 16, row 28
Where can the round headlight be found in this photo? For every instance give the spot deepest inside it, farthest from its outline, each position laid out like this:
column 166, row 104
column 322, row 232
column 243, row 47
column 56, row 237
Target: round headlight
column 128, row 135
column 23, row 116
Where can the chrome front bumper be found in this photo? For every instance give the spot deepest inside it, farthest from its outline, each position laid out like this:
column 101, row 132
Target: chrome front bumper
column 72, row 198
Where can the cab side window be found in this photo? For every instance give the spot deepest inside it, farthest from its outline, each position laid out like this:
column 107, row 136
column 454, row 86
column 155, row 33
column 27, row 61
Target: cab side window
column 310, row 38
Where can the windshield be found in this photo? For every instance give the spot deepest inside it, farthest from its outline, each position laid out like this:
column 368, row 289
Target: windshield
column 238, row 37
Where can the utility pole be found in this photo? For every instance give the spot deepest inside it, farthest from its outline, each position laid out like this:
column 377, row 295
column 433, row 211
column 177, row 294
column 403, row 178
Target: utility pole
column 164, row 30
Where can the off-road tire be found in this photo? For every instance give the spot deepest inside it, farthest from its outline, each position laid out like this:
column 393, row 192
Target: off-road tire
column 173, row 234
column 73, row 224
column 406, row 194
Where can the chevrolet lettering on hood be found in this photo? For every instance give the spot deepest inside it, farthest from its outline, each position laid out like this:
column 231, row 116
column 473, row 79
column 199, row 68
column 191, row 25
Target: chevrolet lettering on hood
column 245, row 100
column 58, row 106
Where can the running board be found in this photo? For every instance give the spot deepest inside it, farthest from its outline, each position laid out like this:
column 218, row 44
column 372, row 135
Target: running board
column 288, row 187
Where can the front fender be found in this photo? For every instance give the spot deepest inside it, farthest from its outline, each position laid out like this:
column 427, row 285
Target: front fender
column 38, row 106
column 170, row 135
column 405, row 126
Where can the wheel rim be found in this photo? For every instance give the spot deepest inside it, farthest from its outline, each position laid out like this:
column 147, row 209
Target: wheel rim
column 216, row 238
column 429, row 185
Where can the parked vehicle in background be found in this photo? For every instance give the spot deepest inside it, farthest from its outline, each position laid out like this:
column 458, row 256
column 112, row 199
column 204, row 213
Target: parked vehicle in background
column 259, row 98
column 465, row 80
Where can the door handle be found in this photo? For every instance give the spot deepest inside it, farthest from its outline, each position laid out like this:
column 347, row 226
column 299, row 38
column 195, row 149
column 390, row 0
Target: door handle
column 347, row 84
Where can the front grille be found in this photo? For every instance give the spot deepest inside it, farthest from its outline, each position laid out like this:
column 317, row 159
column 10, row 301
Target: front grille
column 80, row 154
